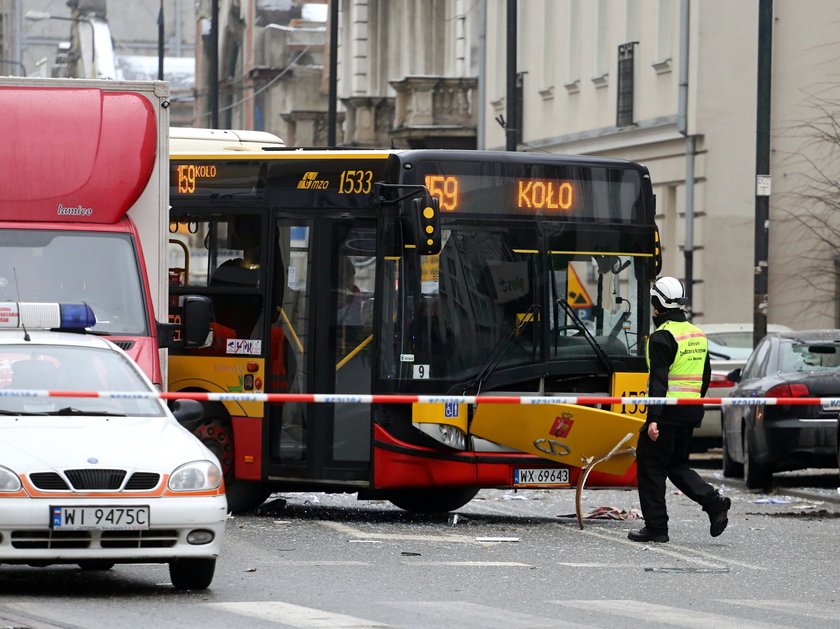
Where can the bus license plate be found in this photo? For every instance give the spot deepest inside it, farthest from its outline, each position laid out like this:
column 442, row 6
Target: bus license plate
column 540, row 477
column 133, row 518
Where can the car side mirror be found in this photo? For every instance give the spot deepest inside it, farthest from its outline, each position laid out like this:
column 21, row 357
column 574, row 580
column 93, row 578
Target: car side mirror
column 186, row 410
column 734, row 375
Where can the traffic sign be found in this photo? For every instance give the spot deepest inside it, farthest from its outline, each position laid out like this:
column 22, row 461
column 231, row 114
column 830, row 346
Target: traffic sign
column 576, row 294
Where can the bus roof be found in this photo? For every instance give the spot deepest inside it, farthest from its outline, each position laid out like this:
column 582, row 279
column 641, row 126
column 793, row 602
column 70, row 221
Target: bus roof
column 194, row 140
column 74, row 154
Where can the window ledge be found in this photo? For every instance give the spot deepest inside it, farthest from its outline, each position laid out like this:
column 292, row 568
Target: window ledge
column 572, row 87
column 600, row 80
column 662, row 67
column 547, row 93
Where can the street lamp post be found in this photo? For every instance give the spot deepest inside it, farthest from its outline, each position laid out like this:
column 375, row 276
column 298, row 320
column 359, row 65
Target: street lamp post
column 36, row 16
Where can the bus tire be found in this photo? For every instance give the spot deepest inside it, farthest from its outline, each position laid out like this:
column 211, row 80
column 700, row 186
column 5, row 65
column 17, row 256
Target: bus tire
column 440, row 500
column 216, row 433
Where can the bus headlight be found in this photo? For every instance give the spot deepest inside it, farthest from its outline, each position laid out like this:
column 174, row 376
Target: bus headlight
column 196, row 476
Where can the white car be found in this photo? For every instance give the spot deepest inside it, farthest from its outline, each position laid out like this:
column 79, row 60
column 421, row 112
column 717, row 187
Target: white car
column 730, row 344
column 97, row 481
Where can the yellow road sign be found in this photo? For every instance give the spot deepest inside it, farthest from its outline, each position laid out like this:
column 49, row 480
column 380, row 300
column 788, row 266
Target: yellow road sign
column 576, row 294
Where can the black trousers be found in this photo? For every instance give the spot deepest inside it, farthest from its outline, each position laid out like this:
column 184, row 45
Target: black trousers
column 667, row 458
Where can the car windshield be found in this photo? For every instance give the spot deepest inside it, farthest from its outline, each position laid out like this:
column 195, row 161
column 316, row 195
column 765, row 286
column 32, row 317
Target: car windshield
column 737, row 345
column 799, row 356
column 29, row 366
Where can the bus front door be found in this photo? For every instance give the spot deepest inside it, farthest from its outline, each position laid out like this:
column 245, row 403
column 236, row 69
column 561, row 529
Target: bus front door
column 322, row 342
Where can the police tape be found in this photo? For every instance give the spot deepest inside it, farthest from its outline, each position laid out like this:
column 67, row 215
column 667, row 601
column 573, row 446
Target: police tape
column 832, row 403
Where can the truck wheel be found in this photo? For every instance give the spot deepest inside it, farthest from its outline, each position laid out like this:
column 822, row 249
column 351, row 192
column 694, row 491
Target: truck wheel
column 731, row 468
column 431, row 500
column 217, row 435
column 756, row 475
column 193, row 573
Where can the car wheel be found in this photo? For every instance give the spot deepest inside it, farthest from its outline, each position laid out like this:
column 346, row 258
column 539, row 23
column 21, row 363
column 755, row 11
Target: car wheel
column 192, row 574
column 431, row 500
column 97, row 565
column 731, row 468
column 242, row 496
column 756, row 475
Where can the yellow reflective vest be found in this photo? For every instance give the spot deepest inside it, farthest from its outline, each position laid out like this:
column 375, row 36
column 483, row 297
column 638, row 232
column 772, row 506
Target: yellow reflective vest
column 685, row 377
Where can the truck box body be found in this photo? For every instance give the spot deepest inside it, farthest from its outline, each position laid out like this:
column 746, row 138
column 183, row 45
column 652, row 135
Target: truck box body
column 84, row 202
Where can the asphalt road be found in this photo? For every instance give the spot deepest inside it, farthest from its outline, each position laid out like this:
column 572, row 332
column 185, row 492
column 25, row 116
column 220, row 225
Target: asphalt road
column 508, row 560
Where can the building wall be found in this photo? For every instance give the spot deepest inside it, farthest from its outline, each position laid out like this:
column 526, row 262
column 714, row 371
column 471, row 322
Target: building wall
column 133, row 26
column 569, row 52
column 802, row 275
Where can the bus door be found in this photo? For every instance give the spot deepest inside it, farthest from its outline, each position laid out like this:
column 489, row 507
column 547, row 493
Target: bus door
column 322, row 342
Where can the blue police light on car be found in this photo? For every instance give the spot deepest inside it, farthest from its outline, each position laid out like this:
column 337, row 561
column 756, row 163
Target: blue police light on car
column 46, row 316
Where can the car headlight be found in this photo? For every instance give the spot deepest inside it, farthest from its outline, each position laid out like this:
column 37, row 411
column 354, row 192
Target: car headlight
column 196, row 476
column 9, row 481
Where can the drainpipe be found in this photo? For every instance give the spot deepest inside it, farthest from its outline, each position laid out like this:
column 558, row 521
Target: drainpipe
column 482, row 72
column 762, row 169
column 682, row 127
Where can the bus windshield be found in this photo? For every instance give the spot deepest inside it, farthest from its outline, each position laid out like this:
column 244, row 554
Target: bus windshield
column 99, row 269
column 491, row 296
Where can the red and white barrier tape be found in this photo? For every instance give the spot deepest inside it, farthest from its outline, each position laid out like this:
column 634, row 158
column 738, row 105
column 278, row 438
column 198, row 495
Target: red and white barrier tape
column 339, row 398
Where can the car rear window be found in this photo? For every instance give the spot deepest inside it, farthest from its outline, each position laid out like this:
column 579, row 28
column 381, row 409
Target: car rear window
column 810, row 357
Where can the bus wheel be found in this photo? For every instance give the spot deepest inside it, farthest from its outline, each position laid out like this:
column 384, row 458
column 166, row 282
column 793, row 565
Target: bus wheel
column 242, row 496
column 431, row 500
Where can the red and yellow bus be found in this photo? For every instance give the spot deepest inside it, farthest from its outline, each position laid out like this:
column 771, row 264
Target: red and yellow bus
column 330, row 272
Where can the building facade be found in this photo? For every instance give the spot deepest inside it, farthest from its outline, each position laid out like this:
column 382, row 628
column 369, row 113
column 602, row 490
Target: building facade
column 669, row 83
column 674, row 85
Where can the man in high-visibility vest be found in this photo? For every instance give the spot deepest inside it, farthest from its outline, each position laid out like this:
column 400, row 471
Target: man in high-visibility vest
column 678, row 362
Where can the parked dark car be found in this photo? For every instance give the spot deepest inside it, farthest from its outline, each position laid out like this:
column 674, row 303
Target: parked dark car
column 759, row 440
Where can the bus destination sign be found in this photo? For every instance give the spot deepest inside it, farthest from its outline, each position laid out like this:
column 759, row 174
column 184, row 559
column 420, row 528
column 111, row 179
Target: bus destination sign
column 346, row 182
column 531, row 194
column 518, row 188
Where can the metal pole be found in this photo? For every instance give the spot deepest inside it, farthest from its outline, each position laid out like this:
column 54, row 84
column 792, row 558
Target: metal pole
column 762, row 169
column 510, row 125
column 482, row 73
column 161, row 35
column 682, row 127
column 332, row 111
column 214, row 64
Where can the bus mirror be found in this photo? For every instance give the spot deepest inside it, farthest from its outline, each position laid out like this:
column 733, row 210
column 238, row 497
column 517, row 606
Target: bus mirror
column 196, row 316
column 426, row 223
column 656, row 260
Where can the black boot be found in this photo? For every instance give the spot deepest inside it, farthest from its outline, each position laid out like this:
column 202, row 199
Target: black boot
column 718, row 511
column 646, row 535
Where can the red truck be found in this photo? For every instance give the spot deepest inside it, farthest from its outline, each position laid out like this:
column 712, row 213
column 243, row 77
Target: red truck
column 84, row 204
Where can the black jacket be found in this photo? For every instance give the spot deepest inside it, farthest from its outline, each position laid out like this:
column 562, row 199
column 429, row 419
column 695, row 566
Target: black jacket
column 662, row 349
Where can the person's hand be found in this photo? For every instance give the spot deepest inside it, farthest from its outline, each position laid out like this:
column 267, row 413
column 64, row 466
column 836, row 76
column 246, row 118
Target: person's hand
column 653, row 431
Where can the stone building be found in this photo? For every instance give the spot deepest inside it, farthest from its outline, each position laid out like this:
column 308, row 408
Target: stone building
column 604, row 78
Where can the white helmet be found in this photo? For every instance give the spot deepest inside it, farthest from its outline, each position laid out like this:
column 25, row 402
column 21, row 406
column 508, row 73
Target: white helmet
column 670, row 292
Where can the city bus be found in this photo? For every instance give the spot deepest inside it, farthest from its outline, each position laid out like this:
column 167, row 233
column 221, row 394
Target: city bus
column 429, row 272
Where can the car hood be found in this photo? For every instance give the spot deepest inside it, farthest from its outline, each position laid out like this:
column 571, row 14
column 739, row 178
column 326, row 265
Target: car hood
column 150, row 444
